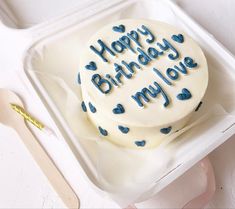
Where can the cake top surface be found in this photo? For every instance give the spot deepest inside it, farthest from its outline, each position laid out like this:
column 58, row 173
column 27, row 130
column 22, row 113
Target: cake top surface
column 143, row 72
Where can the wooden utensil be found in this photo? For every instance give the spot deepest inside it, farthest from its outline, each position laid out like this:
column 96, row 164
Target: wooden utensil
column 10, row 118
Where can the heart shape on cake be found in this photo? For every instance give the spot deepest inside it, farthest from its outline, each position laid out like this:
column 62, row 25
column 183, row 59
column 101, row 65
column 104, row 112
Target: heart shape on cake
column 83, row 105
column 140, row 143
column 92, row 108
column 91, row 66
column 103, row 131
column 120, row 28
column 79, row 78
column 166, row 130
column 186, row 94
column 178, row 38
column 123, row 129
column 119, row 109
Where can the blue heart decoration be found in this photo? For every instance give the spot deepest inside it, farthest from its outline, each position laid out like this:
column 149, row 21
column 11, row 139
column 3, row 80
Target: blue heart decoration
column 83, row 105
column 166, row 130
column 123, row 129
column 79, row 78
column 103, row 131
column 91, row 66
column 120, row 28
column 119, row 109
column 92, row 108
column 186, row 94
column 178, row 38
column 140, row 143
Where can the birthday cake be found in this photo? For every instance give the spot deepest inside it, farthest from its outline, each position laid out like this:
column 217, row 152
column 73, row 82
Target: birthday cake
column 141, row 81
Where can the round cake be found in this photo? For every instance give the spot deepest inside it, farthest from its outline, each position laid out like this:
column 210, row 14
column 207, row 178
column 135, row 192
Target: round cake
column 141, row 81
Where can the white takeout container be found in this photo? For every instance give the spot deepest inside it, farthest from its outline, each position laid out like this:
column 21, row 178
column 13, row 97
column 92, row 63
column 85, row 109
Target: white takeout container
column 29, row 28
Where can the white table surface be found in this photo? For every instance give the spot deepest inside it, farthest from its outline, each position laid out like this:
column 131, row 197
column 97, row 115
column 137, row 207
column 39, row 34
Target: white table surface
column 23, row 185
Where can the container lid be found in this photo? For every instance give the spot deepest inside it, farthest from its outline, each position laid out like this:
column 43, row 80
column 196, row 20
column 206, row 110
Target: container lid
column 21, row 14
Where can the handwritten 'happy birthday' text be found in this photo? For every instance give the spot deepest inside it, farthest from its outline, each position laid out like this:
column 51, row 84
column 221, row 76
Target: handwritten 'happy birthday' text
column 125, row 70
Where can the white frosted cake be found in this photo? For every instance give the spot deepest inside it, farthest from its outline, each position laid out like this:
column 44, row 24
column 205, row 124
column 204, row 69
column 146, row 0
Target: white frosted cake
column 141, row 81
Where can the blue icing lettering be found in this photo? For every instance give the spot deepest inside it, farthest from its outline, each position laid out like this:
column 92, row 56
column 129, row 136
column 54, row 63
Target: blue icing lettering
column 123, row 129
column 118, row 77
column 130, row 66
column 119, row 109
column 117, row 46
column 143, row 58
column 162, row 76
column 140, row 143
column 127, row 43
column 79, row 78
column 154, row 53
column 133, row 35
column 178, row 38
column 145, row 31
column 137, row 97
column 166, row 130
column 111, row 79
column 91, row 66
column 152, row 92
column 167, row 45
column 103, row 131
column 199, row 106
column 120, row 28
column 172, row 73
column 119, row 69
column 103, row 85
column 83, row 105
column 160, row 90
column 100, row 52
column 92, row 108
column 185, row 95
column 189, row 62
column 182, row 68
